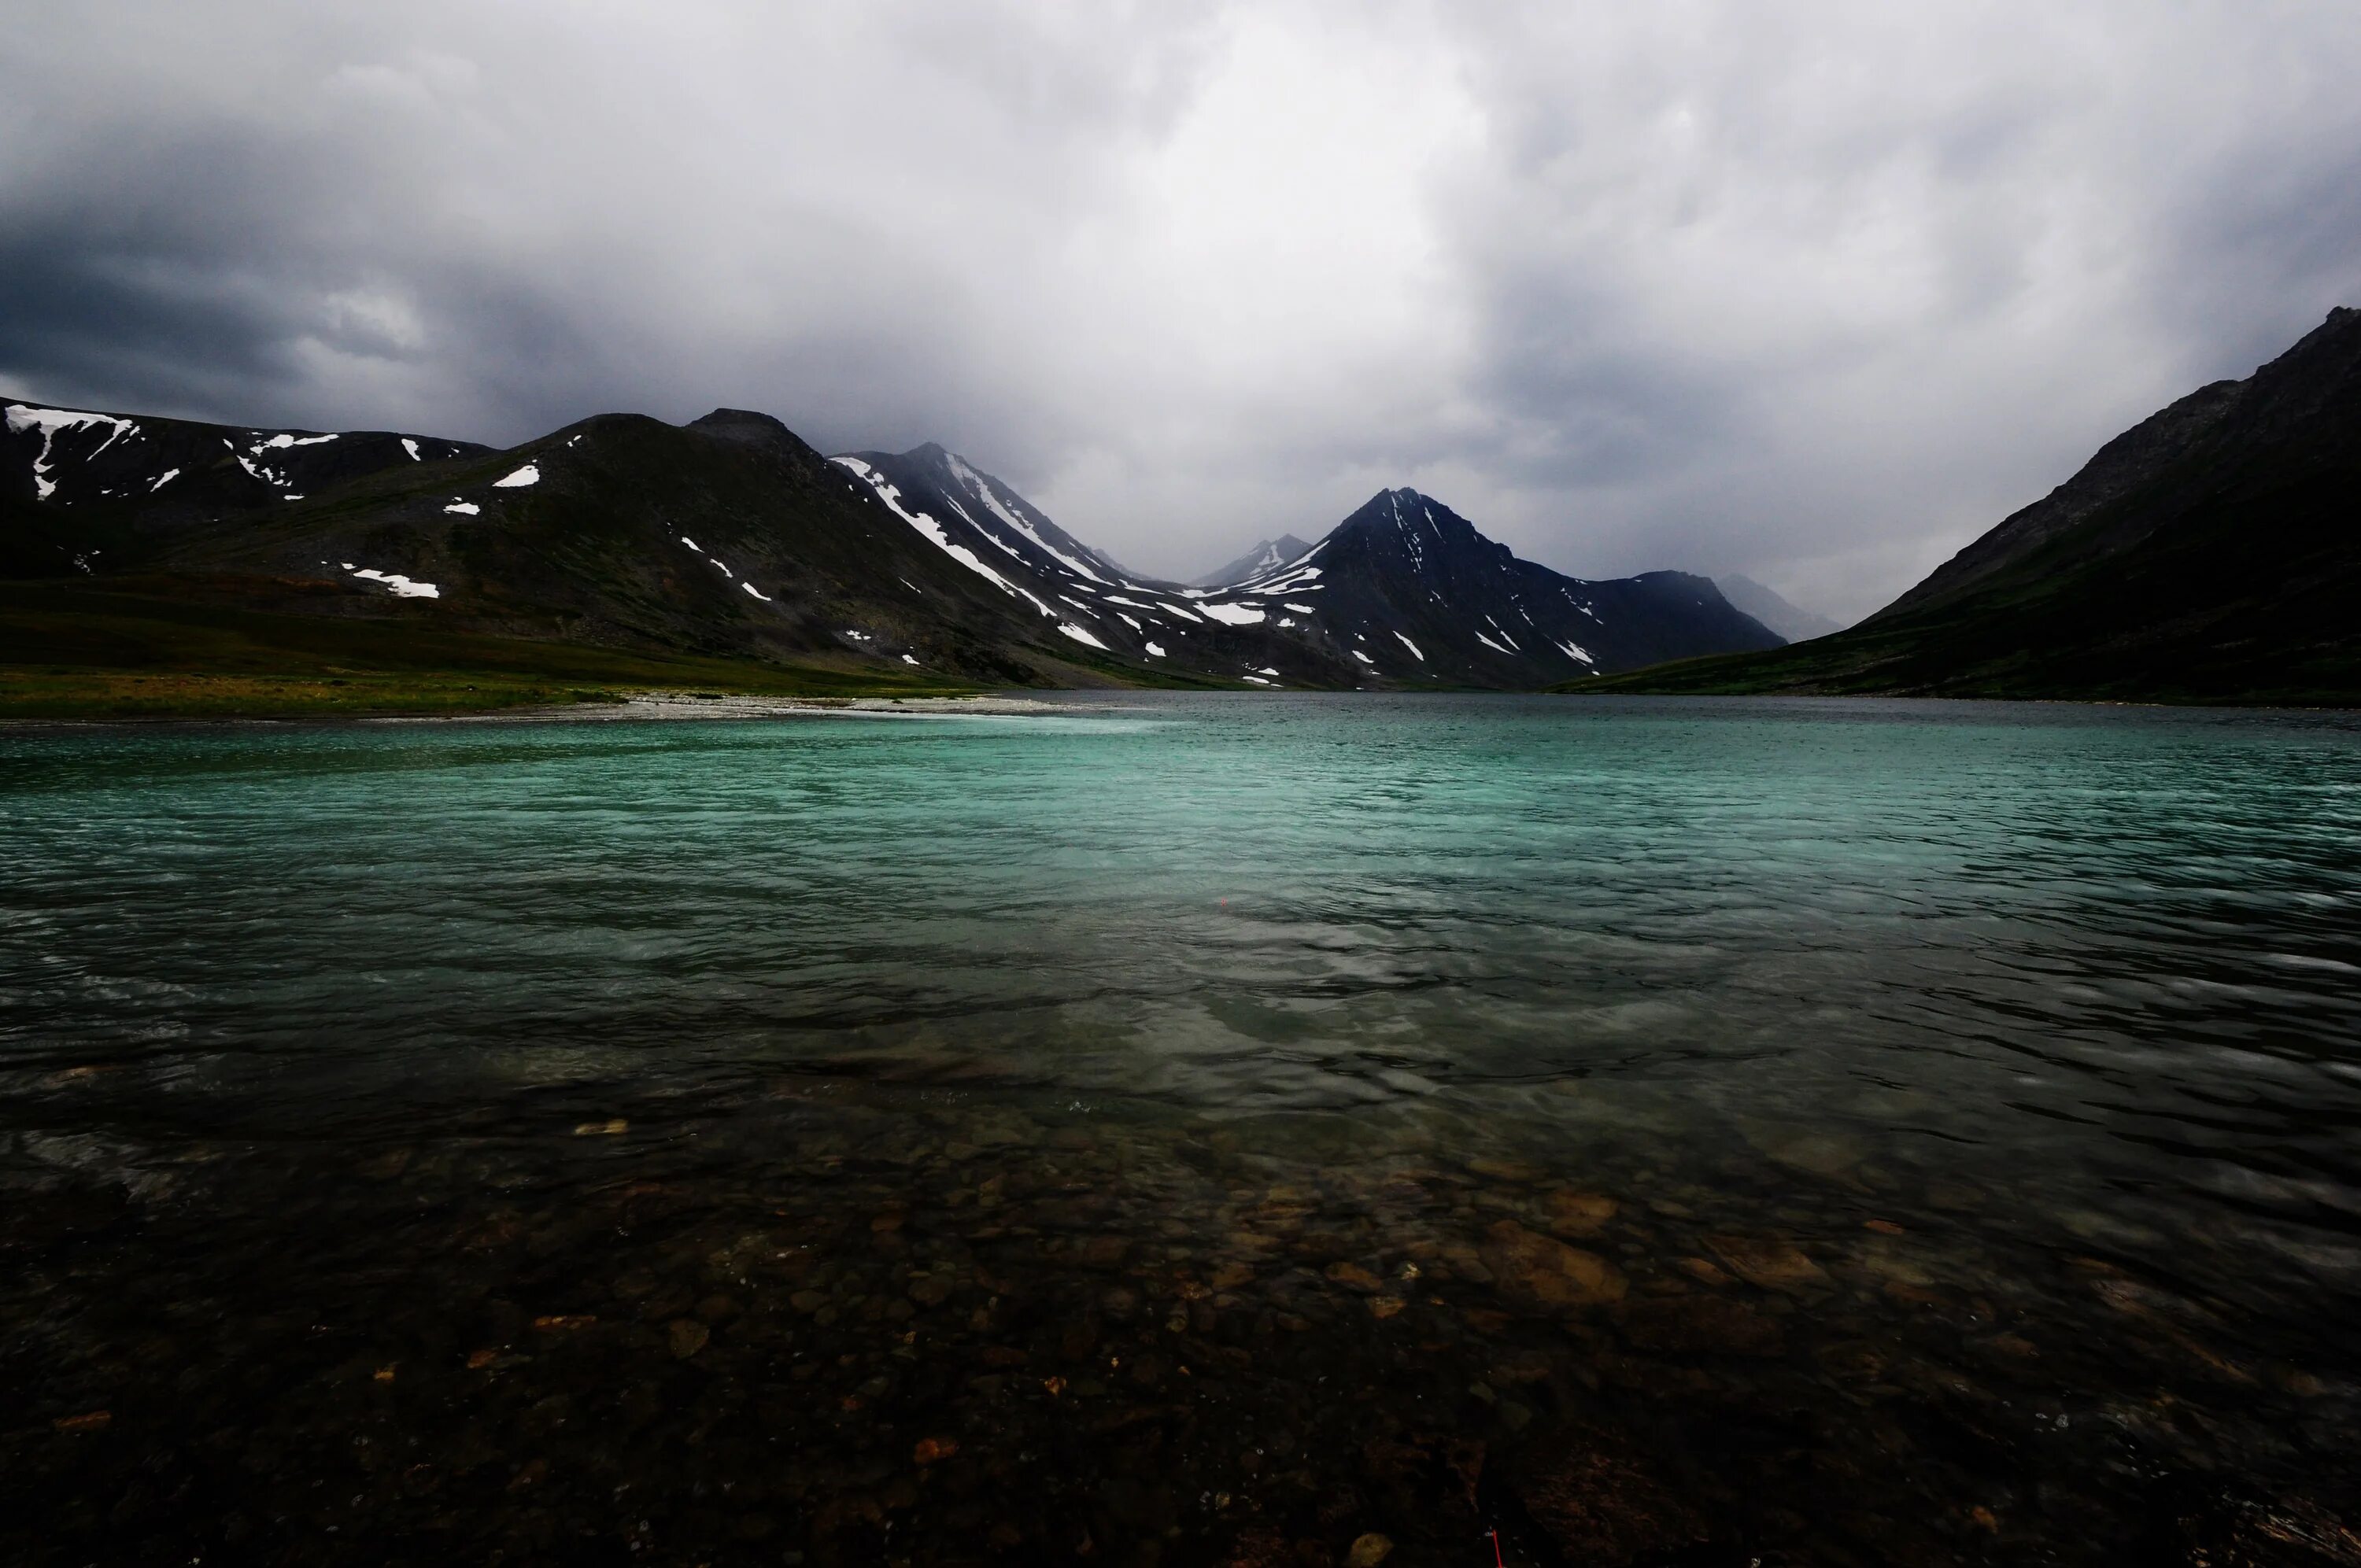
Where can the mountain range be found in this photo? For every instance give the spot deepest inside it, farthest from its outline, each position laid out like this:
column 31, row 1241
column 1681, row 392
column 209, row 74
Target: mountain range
column 2209, row 553
column 731, row 538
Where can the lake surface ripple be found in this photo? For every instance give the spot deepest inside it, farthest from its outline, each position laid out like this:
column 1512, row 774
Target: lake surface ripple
column 1187, row 1129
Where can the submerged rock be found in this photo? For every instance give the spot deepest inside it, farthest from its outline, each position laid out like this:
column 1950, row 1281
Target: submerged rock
column 1774, row 1266
column 1535, row 1271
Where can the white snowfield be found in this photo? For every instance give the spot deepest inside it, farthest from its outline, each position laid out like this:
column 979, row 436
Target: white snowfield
column 1232, row 614
column 528, row 474
column 403, row 588
column 1411, row 646
column 465, row 508
column 411, row 447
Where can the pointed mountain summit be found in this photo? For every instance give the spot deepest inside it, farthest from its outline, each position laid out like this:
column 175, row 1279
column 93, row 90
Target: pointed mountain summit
column 1264, row 558
column 1414, row 592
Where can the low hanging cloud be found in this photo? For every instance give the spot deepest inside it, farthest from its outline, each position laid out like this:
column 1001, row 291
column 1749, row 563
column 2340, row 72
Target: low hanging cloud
column 1815, row 292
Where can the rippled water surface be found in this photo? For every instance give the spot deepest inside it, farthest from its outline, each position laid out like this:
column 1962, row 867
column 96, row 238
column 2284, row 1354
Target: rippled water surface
column 1181, row 1129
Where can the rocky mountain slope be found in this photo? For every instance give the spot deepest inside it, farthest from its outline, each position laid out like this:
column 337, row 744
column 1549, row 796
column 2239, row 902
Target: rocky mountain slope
column 2210, row 554
column 731, row 538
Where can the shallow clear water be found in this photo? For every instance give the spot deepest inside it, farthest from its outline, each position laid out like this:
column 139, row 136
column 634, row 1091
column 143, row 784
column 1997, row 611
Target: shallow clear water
column 1755, row 1130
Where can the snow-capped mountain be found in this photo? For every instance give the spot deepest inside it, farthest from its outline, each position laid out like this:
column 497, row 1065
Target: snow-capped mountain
column 1413, row 595
column 1091, row 599
column 1403, row 592
column 1267, row 557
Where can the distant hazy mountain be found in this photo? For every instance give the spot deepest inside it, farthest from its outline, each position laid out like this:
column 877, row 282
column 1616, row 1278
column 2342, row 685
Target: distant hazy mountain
column 1794, row 624
column 730, row 537
column 2209, row 553
column 1266, row 557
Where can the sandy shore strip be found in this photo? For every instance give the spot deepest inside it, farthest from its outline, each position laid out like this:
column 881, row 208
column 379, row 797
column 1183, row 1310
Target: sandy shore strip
column 657, row 706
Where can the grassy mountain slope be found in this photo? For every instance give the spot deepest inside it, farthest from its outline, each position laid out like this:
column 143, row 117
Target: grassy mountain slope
column 2212, row 554
column 155, row 647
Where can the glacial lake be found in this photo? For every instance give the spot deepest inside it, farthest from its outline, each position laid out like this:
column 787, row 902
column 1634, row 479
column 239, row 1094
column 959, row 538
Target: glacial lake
column 1176, row 1129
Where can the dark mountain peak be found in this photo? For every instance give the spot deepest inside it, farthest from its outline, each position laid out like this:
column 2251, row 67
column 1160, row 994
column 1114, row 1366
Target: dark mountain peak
column 1421, row 534
column 751, row 429
column 1681, row 583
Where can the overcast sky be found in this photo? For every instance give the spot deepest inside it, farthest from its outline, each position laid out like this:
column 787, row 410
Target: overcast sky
column 1815, row 292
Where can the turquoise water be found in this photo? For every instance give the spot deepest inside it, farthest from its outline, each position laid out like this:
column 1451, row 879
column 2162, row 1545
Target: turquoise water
column 2034, row 1032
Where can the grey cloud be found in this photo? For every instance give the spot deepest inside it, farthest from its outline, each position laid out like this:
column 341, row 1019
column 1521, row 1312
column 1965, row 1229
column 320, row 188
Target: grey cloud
column 1812, row 295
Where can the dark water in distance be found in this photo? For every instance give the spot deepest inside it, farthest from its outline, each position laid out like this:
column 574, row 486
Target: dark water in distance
column 1689, row 1131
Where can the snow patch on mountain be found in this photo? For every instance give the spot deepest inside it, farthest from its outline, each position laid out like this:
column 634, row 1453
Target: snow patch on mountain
column 403, row 588
column 890, row 494
column 23, row 417
column 981, row 489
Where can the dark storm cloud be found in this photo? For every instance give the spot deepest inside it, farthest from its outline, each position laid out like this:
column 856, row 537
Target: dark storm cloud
column 1814, row 292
